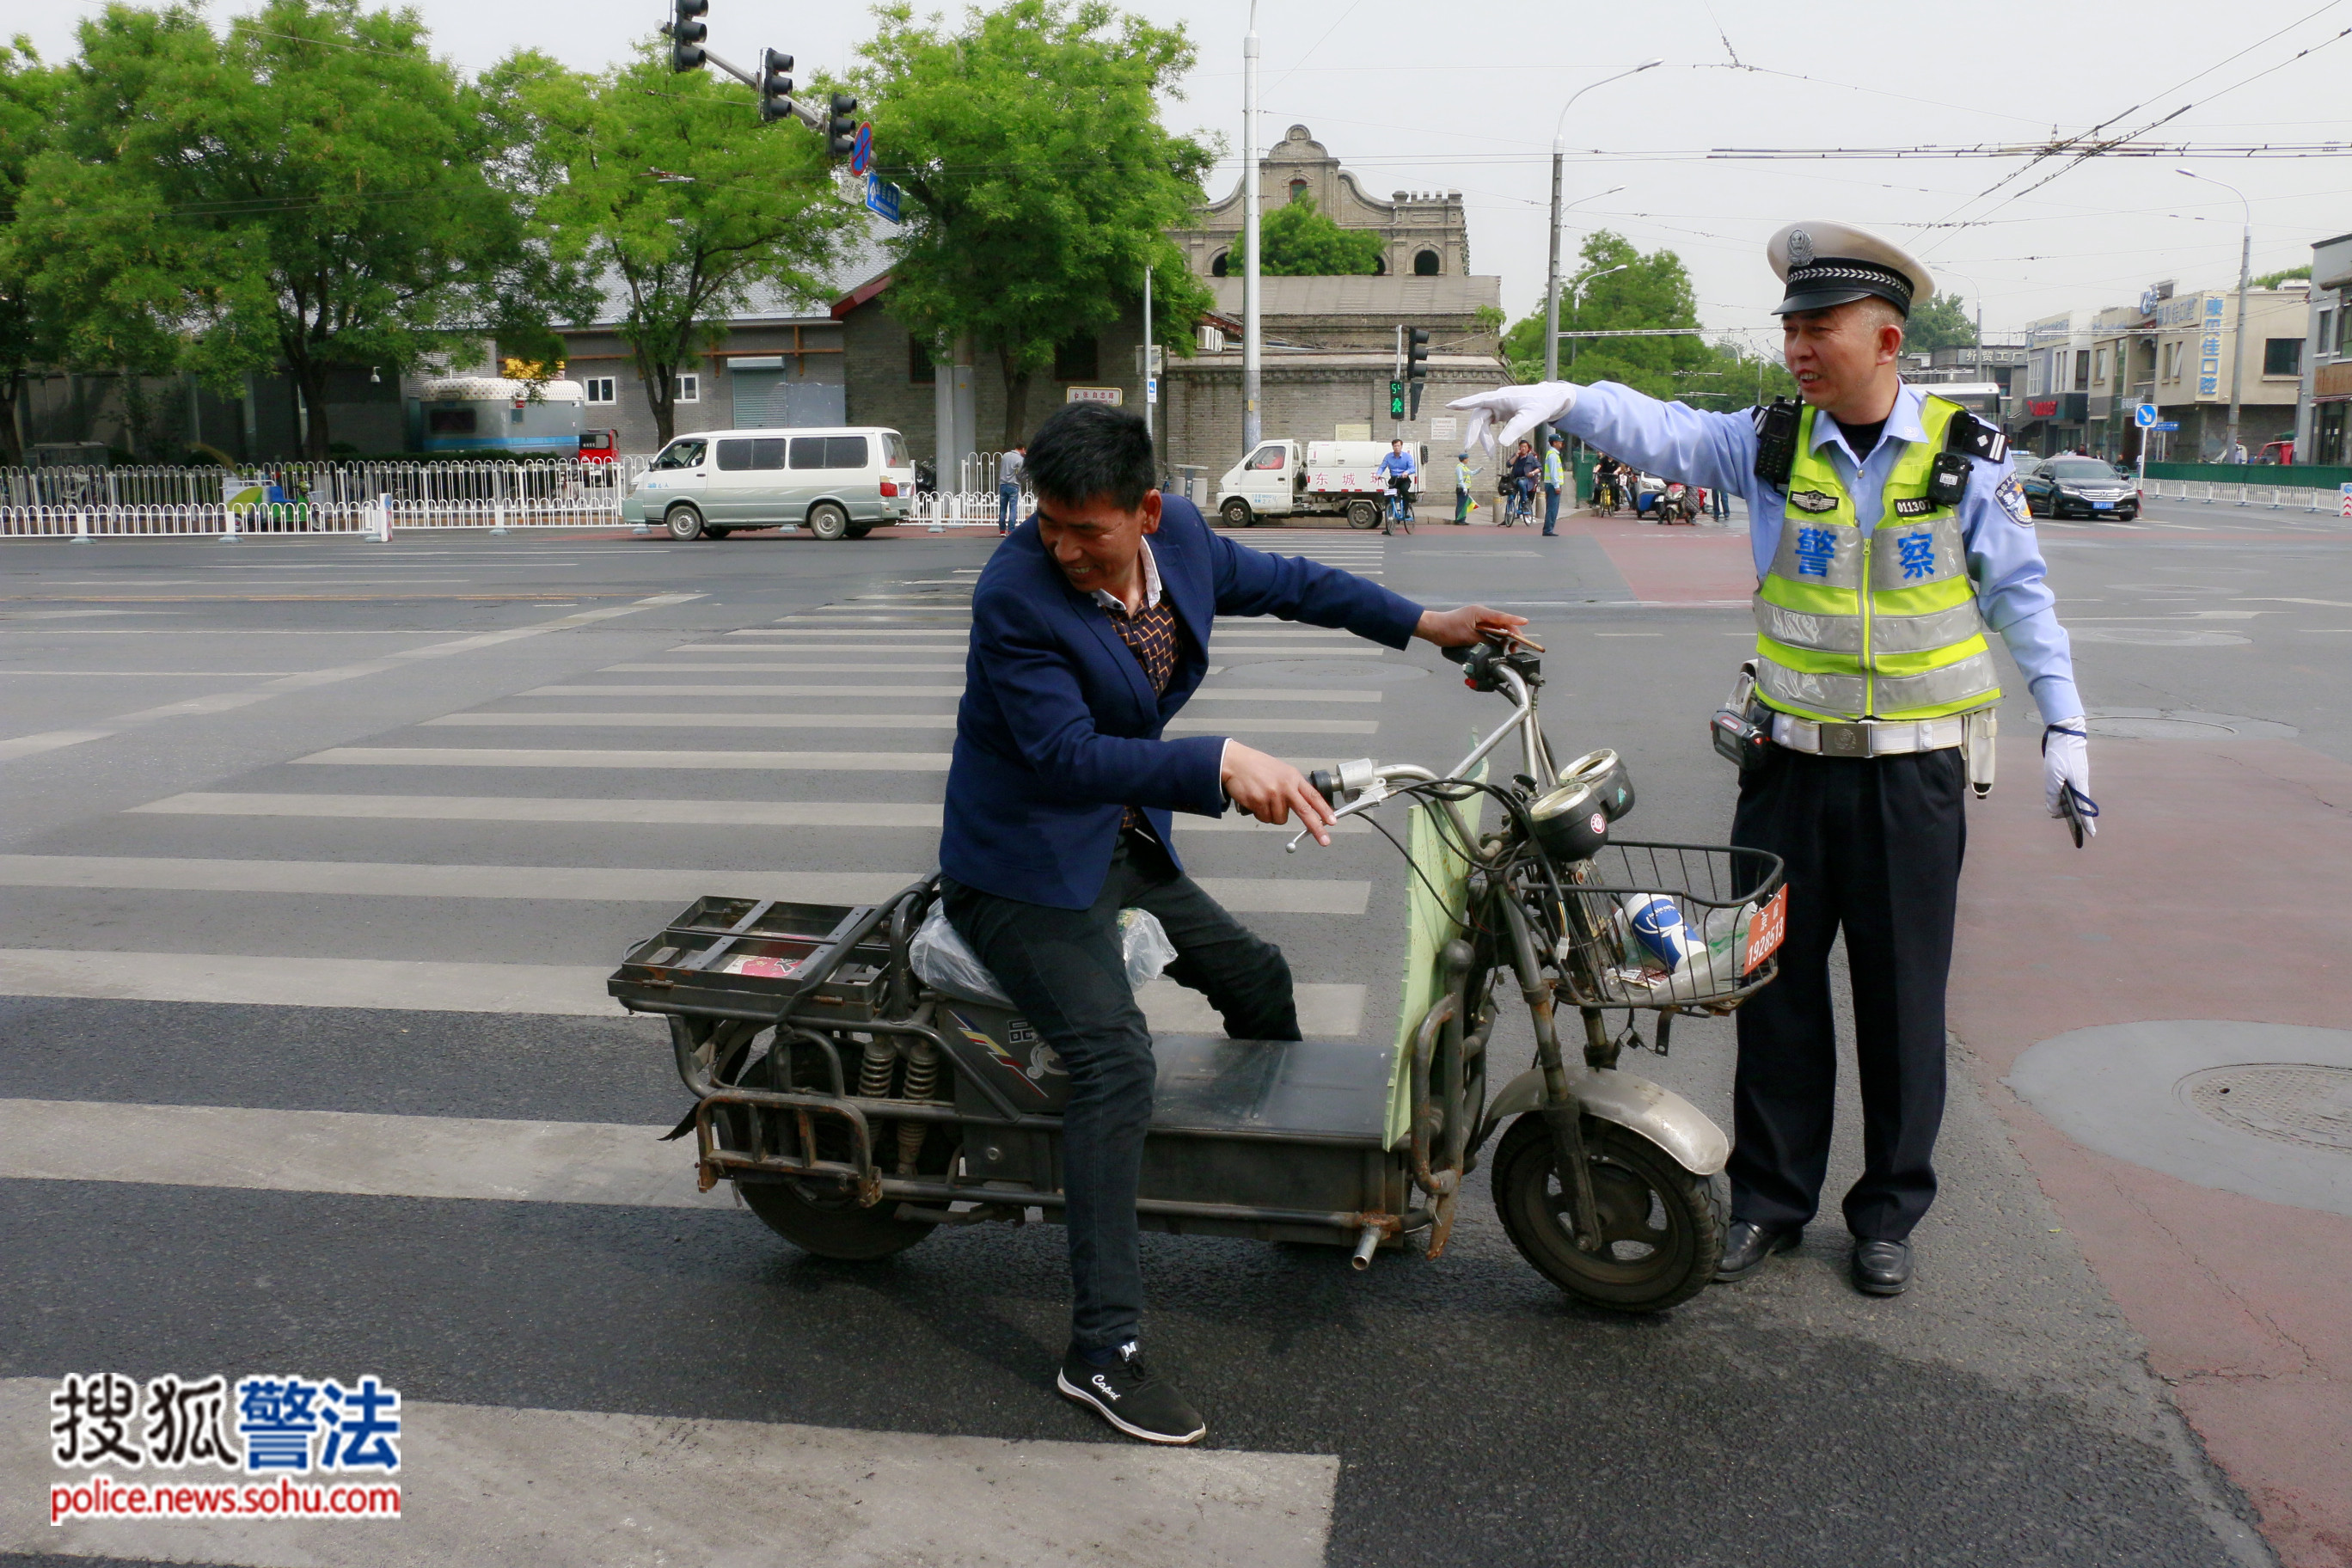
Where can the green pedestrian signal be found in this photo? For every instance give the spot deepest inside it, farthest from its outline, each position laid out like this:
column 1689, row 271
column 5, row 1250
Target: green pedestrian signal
column 1396, row 400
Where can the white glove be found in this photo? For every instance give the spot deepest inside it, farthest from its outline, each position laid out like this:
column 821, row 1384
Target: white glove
column 1518, row 409
column 2066, row 765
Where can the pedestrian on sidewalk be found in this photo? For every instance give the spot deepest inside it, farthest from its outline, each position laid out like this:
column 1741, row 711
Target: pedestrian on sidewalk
column 1888, row 533
column 1553, row 478
column 1719, row 498
column 1464, row 505
column 1008, row 487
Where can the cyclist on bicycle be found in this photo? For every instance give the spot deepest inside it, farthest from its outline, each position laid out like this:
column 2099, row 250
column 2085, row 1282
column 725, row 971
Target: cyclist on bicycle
column 1398, row 474
column 1525, row 467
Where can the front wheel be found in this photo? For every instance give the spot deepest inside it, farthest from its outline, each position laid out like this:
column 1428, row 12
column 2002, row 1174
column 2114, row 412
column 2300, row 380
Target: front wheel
column 1364, row 514
column 828, row 521
column 1661, row 1227
column 683, row 523
column 1235, row 513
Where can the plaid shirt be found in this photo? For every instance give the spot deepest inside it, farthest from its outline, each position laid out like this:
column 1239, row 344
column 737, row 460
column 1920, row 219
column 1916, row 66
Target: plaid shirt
column 1150, row 635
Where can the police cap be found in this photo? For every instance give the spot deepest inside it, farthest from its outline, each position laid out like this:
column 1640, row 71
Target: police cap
column 1826, row 264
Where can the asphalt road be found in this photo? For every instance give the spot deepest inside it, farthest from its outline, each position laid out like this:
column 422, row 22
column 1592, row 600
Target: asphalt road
column 339, row 839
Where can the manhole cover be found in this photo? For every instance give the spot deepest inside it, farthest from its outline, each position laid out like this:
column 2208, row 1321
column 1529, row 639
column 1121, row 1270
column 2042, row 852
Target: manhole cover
column 2290, row 1103
column 2182, row 724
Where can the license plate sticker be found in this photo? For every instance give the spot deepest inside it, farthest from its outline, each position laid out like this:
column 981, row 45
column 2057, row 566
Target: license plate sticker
column 772, row 968
column 1766, row 927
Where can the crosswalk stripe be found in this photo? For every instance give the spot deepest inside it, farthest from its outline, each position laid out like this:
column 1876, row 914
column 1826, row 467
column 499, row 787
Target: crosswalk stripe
column 1256, row 895
column 796, row 668
column 1204, row 694
column 1220, row 725
column 443, row 986
column 807, row 632
column 656, row 813
column 486, row 1483
column 585, row 757
column 348, row 1152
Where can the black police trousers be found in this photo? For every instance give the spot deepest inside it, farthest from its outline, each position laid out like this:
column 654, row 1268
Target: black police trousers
column 1873, row 847
column 1062, row 969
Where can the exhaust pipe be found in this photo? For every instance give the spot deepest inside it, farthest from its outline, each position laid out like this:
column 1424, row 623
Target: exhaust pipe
column 1365, row 1246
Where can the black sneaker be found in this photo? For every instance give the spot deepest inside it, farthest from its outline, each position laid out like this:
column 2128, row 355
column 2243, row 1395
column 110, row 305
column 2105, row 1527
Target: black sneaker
column 1127, row 1396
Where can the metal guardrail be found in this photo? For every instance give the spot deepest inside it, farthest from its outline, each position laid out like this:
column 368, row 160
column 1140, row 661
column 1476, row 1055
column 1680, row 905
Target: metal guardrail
column 2276, row 498
column 330, row 483
column 964, row 508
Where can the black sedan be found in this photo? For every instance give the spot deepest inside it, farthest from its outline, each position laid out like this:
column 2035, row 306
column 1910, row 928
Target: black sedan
column 2080, row 486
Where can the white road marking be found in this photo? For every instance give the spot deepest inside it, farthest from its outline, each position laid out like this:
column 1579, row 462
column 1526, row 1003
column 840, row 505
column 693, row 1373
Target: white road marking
column 431, row 986
column 592, row 719
column 1256, row 895
column 653, row 813
column 795, row 667
column 567, row 757
column 834, row 688
column 49, row 741
column 538, row 1488
column 150, row 674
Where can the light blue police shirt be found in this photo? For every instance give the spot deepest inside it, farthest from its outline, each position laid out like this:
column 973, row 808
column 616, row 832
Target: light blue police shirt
column 1703, row 448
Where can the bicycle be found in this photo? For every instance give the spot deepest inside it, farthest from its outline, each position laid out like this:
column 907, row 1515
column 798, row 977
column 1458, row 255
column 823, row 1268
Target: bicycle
column 1400, row 513
column 1521, row 506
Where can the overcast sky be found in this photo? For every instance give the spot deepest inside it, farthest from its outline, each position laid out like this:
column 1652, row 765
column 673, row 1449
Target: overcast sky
column 1417, row 96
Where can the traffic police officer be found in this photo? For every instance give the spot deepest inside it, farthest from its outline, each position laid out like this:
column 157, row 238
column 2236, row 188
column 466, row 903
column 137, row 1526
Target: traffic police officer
column 1889, row 534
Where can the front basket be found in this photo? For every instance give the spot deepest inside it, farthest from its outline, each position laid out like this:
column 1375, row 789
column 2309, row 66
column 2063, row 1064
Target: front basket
column 1672, row 925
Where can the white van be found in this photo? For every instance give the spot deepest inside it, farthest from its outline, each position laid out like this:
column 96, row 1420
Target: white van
column 838, row 483
column 1294, row 478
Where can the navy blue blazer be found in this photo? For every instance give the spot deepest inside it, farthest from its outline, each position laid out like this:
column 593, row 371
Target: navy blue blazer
column 1058, row 731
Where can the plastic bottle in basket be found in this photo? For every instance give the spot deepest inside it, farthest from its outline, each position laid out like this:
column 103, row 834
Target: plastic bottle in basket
column 1657, row 927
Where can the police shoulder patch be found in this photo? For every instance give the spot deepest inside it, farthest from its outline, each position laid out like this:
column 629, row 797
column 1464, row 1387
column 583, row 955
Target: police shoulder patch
column 1812, row 501
column 2012, row 502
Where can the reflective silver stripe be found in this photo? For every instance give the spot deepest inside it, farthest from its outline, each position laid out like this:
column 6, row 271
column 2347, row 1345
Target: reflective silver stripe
column 1867, row 739
column 1944, row 554
column 1783, row 687
column 1841, row 570
column 1972, row 678
column 1796, row 628
column 1922, row 634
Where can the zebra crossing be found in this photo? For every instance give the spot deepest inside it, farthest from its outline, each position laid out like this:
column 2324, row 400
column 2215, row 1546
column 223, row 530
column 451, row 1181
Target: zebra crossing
column 502, row 854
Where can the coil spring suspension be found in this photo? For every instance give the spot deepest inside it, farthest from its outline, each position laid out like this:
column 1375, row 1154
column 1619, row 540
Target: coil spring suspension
column 873, row 1069
column 922, row 1076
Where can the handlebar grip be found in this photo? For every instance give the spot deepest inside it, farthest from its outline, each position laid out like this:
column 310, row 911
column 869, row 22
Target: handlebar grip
column 1326, row 783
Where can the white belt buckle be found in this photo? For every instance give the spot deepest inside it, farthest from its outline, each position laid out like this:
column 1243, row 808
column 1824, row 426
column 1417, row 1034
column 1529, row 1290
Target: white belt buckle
column 1846, row 739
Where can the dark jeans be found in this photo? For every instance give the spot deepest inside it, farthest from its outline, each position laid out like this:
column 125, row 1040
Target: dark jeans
column 1008, row 503
column 1062, row 969
column 1551, row 506
column 1873, row 846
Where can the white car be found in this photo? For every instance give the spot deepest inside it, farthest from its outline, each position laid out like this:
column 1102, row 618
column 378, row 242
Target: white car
column 836, row 483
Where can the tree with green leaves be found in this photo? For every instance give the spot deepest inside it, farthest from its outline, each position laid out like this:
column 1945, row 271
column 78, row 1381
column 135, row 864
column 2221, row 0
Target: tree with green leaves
column 1039, row 180
column 307, row 188
column 1653, row 291
column 669, row 190
column 2273, row 279
column 1299, row 240
column 1938, row 321
column 29, row 106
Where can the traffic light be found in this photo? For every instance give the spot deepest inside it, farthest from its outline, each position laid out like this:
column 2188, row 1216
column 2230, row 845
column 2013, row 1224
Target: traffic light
column 1396, row 400
column 775, row 85
column 840, row 131
column 1416, row 362
column 686, row 32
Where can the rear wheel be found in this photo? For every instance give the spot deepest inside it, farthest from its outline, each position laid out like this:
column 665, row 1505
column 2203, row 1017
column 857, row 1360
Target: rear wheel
column 828, row 521
column 1237, row 513
column 817, row 1216
column 1661, row 1227
column 683, row 523
column 1364, row 514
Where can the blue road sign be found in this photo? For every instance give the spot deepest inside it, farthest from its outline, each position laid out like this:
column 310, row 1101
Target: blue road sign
column 882, row 198
column 2144, row 414
column 861, row 152
column 2165, row 425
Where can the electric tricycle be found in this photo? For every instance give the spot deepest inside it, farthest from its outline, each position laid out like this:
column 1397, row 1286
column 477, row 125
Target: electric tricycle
column 858, row 1105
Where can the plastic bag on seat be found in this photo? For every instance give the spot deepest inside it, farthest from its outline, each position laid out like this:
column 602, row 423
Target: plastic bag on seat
column 946, row 962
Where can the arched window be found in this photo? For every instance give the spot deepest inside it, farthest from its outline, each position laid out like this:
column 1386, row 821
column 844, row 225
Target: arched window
column 1427, row 264
column 1379, row 266
column 1217, row 267
column 1298, row 189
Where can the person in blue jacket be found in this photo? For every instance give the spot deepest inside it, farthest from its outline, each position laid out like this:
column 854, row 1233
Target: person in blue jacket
column 1090, row 626
column 1889, row 537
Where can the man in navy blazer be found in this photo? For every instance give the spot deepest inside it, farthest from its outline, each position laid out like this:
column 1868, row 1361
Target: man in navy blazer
column 1090, row 626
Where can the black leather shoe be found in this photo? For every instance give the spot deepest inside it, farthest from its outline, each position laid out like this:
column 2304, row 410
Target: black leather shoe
column 1881, row 1268
column 1747, row 1244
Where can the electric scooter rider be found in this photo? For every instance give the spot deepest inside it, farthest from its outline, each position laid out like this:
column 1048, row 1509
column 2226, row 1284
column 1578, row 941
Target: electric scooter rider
column 1089, row 629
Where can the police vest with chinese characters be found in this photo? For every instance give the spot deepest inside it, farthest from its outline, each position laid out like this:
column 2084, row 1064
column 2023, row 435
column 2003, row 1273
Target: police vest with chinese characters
column 1883, row 624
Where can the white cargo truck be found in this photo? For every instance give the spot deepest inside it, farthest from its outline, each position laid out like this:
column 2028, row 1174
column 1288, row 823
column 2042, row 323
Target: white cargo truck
column 1312, row 479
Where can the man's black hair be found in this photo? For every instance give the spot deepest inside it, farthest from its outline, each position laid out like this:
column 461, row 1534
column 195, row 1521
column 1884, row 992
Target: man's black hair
column 1088, row 450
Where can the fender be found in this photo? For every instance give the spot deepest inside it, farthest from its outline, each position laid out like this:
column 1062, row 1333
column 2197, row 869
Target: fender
column 1686, row 1132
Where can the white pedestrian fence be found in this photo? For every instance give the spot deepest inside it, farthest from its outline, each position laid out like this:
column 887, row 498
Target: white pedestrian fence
column 2276, row 498
column 964, row 508
column 352, row 483
column 279, row 518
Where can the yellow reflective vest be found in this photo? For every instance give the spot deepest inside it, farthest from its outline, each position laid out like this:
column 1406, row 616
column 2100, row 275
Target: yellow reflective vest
column 1852, row 625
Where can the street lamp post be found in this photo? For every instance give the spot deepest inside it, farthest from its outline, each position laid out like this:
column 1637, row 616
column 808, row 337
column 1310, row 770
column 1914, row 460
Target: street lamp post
column 2238, row 347
column 1551, row 274
column 1575, row 294
column 1251, row 428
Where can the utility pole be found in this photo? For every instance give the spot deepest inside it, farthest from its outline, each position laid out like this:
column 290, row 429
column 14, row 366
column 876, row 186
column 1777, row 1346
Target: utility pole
column 1250, row 428
column 2238, row 346
column 1552, row 277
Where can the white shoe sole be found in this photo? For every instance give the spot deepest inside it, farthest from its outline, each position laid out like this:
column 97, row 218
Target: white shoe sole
column 1072, row 1391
